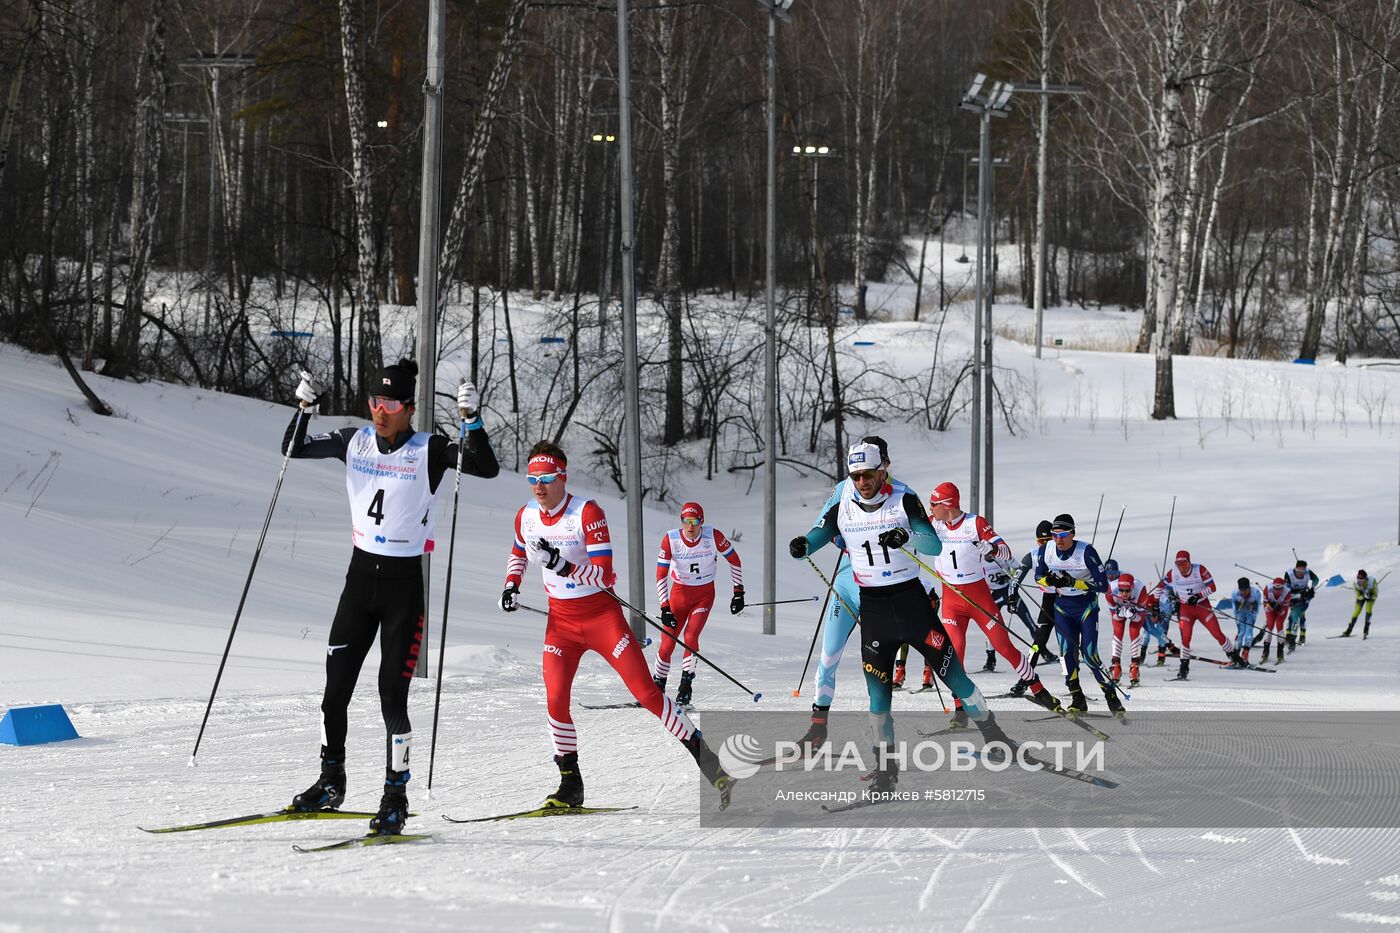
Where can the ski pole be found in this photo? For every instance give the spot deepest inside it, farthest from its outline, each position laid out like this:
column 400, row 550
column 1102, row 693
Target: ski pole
column 821, row 618
column 1114, row 543
column 1095, row 536
column 783, row 602
column 446, row 596
column 542, row 612
column 1168, row 546
column 1257, row 573
column 257, row 552
column 664, row 631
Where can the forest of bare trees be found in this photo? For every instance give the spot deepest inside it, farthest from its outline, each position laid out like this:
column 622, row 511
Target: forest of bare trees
column 1230, row 170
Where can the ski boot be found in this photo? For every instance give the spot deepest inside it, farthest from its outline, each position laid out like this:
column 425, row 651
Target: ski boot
column 1366, row 629
column 1045, row 698
column 393, row 806
column 1185, row 669
column 992, row 732
column 928, row 678
column 660, row 682
column 1244, row 654
column 1019, row 690
column 898, row 675
column 991, row 664
column 328, row 791
column 959, row 720
column 1347, row 633
column 1115, row 705
column 1236, row 659
column 1291, row 641
column 683, row 691
column 1116, row 672
column 570, row 792
column 710, row 767
column 882, row 780
column 1161, row 655
column 1173, row 650
column 816, row 732
column 1303, row 635
column 1134, row 674
column 1279, row 659
column 1077, row 703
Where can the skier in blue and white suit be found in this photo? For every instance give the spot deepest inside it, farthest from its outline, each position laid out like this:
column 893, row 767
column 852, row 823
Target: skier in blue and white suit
column 1077, row 575
column 839, row 622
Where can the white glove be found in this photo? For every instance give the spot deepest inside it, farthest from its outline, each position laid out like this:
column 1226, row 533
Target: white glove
column 307, row 393
column 986, row 548
column 468, row 400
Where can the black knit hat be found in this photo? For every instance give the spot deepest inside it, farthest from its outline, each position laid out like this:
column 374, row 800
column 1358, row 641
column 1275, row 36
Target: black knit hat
column 1043, row 529
column 398, row 381
column 1063, row 522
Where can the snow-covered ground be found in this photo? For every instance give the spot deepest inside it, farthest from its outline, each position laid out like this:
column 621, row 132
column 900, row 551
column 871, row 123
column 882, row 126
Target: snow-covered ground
column 124, row 544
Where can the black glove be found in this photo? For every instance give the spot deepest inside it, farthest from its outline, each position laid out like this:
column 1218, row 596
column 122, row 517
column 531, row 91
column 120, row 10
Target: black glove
column 736, row 603
column 510, row 598
column 1309, row 593
column 797, row 547
column 553, row 559
column 1194, row 599
column 1013, row 601
column 668, row 618
column 1059, row 578
column 893, row 539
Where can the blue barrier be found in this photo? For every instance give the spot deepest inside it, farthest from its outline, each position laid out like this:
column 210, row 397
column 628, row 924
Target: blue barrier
column 554, row 340
column 1304, row 361
column 291, row 333
column 35, row 725
column 864, row 343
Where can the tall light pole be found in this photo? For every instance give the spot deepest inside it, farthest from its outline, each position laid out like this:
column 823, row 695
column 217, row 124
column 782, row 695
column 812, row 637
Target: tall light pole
column 632, row 409
column 429, row 231
column 986, row 100
column 776, row 9
column 815, row 154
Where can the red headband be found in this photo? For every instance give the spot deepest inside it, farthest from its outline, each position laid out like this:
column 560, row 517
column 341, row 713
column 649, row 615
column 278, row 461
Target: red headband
column 544, row 463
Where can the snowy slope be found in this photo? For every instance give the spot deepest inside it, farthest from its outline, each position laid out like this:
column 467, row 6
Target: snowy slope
column 124, row 544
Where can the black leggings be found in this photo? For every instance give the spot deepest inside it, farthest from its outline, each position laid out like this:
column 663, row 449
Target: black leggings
column 891, row 616
column 1044, row 625
column 383, row 594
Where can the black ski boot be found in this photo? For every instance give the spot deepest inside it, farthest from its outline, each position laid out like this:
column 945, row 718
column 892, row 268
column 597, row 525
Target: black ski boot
column 710, row 767
column 1366, row 629
column 882, row 780
column 992, row 732
column 991, row 664
column 1236, row 659
column 1184, row 670
column 683, row 691
column 1303, row 634
column 570, row 792
column 1279, row 658
column 659, row 681
column 328, row 791
column 1077, row 703
column 959, row 720
column 1019, row 690
column 1115, row 705
column 1047, row 699
column 1291, row 641
column 816, row 732
column 393, row 806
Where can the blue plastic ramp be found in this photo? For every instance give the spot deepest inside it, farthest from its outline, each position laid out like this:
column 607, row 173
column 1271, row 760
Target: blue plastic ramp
column 35, row 725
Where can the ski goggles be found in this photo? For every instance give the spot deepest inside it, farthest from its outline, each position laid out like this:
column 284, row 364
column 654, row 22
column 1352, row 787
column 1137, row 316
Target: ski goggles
column 546, row 478
column 860, row 475
column 690, row 521
column 1057, row 535
column 391, row 406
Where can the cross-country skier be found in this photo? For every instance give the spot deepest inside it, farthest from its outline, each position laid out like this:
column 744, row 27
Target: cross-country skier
column 1045, row 620
column 877, row 518
column 392, row 475
column 1128, row 600
column 1367, row 589
column 568, row 535
column 1246, row 599
column 1191, row 584
column 1303, row 583
column 1075, row 572
column 969, row 542
column 685, row 586
column 1278, row 599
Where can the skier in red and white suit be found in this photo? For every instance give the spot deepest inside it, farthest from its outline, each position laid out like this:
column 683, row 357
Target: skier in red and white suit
column 1192, row 585
column 569, row 536
column 967, row 540
column 1129, row 601
column 685, row 587
column 1278, row 600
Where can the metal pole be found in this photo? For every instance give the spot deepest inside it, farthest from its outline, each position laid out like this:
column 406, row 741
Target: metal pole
column 770, row 351
column 429, row 222
column 983, row 169
column 988, row 333
column 1042, row 165
column 632, row 433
